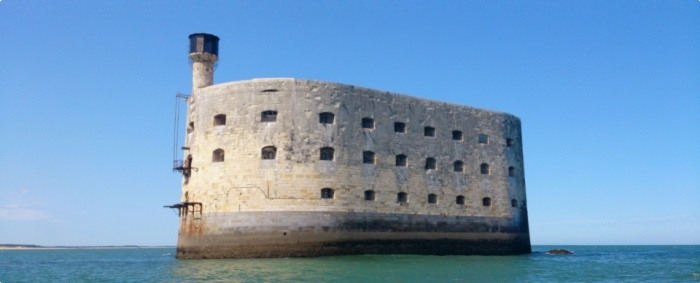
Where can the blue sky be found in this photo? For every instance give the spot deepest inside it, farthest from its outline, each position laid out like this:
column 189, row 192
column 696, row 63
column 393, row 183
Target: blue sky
column 608, row 93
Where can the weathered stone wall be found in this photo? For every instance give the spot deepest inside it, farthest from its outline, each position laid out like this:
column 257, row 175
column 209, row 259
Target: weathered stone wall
column 291, row 183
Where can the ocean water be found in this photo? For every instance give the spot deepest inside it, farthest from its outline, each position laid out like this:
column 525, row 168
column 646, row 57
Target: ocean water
column 588, row 264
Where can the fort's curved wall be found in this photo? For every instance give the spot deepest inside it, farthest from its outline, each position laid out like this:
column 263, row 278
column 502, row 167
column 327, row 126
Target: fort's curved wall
column 251, row 207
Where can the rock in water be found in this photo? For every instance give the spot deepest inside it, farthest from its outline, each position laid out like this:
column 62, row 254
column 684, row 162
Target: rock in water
column 559, row 252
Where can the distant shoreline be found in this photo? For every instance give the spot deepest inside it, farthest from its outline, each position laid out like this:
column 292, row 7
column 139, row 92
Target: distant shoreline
column 37, row 247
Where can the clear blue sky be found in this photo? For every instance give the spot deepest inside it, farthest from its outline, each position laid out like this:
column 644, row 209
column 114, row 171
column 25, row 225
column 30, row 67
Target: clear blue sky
column 608, row 93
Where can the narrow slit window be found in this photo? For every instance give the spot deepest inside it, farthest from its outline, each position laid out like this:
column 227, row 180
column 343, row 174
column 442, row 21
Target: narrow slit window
column 400, row 127
column 368, row 157
column 326, row 118
column 432, row 198
column 459, row 166
column 486, row 201
column 459, row 200
column 402, row 197
column 327, row 193
column 327, row 153
column 511, row 171
column 269, row 152
column 514, row 203
column 484, row 168
column 367, row 123
column 268, row 116
column 370, row 195
column 509, row 142
column 429, row 131
column 457, row 135
column 430, row 164
column 483, row 138
column 217, row 155
column 220, row 120
column 401, row 160
column 190, row 127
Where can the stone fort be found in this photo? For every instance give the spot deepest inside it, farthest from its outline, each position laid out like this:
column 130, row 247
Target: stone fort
column 293, row 168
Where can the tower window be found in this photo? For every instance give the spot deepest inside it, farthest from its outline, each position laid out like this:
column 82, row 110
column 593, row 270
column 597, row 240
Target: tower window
column 484, row 168
column 483, row 138
column 514, row 203
column 268, row 116
column 401, row 160
column 459, row 166
column 369, row 195
column 430, row 164
column 219, row 120
column 269, row 152
column 400, row 127
column 457, row 135
column 368, row 157
column 509, row 142
column 367, row 123
column 511, row 171
column 217, row 155
column 432, row 198
column 327, row 193
column 326, row 118
column 190, row 127
column 401, row 198
column 327, row 153
column 486, row 201
column 429, row 132
column 460, row 200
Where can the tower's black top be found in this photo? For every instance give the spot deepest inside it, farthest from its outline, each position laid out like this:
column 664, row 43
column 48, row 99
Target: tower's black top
column 205, row 43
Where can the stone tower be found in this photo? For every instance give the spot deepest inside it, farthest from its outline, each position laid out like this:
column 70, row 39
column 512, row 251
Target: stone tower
column 204, row 52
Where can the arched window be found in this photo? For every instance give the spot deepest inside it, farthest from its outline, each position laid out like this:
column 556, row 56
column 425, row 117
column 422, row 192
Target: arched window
column 269, row 152
column 217, row 155
column 511, row 171
column 483, row 138
column 368, row 157
column 369, row 195
column 509, row 142
column 486, row 201
column 367, row 123
column 401, row 160
column 190, row 127
column 268, row 116
column 326, row 118
column 457, row 135
column 459, row 166
column 514, row 203
column 400, row 127
column 484, row 168
column 327, row 153
column 430, row 164
column 402, row 197
column 220, row 120
column 429, row 132
column 460, row 200
column 432, row 198
column 326, row 193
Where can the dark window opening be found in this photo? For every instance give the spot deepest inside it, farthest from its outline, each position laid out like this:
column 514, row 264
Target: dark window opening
column 400, row 127
column 460, row 200
column 509, row 142
column 429, row 132
column 326, row 118
column 268, row 116
column 220, row 120
column 217, row 155
column 367, row 123
column 369, row 195
column 459, row 166
column 190, row 127
column 483, row 138
column 486, row 201
column 269, row 152
column 401, row 160
column 270, row 90
column 402, row 197
column 514, row 203
column 511, row 171
column 484, row 168
column 432, row 198
column 457, row 135
column 327, row 153
column 368, row 157
column 430, row 164
column 326, row 193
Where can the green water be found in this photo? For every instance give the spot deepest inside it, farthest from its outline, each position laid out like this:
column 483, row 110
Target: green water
column 589, row 264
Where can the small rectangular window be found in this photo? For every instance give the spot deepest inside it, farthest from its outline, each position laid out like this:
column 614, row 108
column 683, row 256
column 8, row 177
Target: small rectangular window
column 429, row 132
column 367, row 123
column 400, row 127
column 483, row 139
column 457, row 135
column 268, row 116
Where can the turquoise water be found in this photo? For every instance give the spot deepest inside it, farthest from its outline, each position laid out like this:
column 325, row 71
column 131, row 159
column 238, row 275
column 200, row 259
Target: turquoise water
column 589, row 264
